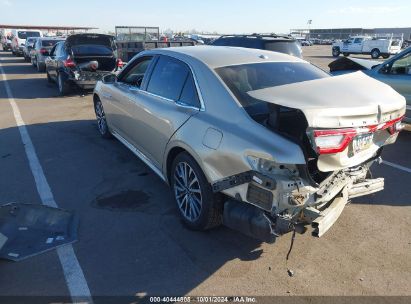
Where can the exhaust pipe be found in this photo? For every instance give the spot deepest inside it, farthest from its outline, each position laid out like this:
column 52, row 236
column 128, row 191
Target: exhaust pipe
column 249, row 220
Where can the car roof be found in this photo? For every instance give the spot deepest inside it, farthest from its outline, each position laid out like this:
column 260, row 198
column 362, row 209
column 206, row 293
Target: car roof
column 218, row 56
column 272, row 37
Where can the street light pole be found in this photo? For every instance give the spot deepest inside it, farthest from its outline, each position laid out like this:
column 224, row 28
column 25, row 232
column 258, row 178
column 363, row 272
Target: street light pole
column 309, row 29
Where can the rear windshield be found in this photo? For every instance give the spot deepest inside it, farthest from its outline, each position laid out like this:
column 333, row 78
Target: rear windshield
column 286, row 47
column 47, row 43
column 25, row 34
column 249, row 77
column 92, row 50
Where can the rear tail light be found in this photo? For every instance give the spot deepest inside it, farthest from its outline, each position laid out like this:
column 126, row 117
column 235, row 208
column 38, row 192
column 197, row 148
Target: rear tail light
column 120, row 63
column 43, row 51
column 333, row 141
column 69, row 63
column 337, row 140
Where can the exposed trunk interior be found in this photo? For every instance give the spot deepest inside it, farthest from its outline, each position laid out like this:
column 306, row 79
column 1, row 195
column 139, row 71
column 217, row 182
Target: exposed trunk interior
column 292, row 124
column 105, row 63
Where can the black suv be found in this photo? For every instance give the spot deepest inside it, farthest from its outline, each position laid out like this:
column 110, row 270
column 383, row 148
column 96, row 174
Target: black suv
column 276, row 43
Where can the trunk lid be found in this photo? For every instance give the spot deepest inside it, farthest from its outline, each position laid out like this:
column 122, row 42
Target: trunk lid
column 364, row 108
column 86, row 48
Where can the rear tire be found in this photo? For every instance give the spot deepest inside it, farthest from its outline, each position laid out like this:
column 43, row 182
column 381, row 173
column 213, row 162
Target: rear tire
column 40, row 67
column 336, row 52
column 199, row 207
column 386, row 56
column 63, row 86
column 375, row 53
column 346, row 54
column 49, row 79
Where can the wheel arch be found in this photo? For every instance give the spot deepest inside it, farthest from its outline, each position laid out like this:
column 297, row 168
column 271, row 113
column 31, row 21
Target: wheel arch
column 171, row 153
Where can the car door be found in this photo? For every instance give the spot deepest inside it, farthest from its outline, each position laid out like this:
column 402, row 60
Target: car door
column 118, row 97
column 347, row 45
column 356, row 46
column 397, row 74
column 51, row 65
column 164, row 104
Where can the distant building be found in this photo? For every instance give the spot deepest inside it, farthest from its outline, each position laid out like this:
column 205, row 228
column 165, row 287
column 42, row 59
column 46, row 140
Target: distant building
column 344, row 33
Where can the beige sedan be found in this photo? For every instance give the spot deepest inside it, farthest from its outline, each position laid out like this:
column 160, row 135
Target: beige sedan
column 262, row 142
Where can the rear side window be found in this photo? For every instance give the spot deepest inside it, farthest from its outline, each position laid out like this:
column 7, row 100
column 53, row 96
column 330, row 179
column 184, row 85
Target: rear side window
column 189, row 94
column 168, row 78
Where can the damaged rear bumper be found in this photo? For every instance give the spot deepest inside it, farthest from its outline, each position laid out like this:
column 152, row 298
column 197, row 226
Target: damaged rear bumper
column 257, row 223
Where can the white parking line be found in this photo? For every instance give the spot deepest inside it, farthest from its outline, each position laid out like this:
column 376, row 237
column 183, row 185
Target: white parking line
column 76, row 282
column 396, row 166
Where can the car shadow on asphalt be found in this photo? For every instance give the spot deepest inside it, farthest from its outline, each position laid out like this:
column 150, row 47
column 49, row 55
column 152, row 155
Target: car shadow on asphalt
column 149, row 246
column 149, row 239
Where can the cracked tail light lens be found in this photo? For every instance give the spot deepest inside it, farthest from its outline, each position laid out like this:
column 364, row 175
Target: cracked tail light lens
column 333, row 141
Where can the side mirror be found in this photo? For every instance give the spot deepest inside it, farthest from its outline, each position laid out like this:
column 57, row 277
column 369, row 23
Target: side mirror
column 385, row 69
column 110, row 78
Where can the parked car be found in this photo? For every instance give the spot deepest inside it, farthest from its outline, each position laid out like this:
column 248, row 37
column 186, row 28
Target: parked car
column 19, row 40
column 395, row 72
column 306, row 43
column 42, row 50
column 261, row 141
column 28, row 47
column 6, row 40
column 81, row 60
column 367, row 45
column 282, row 44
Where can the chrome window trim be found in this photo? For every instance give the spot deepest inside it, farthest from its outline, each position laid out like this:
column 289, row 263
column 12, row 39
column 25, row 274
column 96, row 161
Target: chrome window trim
column 139, row 154
column 177, row 102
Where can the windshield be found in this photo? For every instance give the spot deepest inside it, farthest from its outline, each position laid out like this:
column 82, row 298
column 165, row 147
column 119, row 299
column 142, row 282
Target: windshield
column 286, row 47
column 25, row 34
column 249, row 77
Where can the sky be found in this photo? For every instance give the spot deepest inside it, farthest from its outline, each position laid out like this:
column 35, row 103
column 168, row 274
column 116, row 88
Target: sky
column 222, row 16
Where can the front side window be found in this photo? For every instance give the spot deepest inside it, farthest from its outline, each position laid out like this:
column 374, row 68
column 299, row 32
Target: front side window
column 168, row 78
column 136, row 74
column 402, row 66
column 241, row 79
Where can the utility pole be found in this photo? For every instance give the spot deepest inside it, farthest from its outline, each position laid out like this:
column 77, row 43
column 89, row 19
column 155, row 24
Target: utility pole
column 309, row 29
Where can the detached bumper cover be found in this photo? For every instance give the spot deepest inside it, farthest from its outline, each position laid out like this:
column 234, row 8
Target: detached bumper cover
column 326, row 218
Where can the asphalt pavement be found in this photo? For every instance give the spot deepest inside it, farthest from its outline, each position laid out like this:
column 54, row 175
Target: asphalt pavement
column 131, row 240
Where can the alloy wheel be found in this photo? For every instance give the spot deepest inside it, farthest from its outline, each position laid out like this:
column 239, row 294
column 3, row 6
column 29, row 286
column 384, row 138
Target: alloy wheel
column 187, row 191
column 101, row 118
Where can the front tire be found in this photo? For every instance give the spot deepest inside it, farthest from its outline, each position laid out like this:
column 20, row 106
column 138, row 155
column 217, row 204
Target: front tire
column 101, row 119
column 346, row 54
column 198, row 206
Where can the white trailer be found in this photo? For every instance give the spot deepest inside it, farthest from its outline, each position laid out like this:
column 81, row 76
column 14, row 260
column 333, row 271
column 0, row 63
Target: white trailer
column 375, row 47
